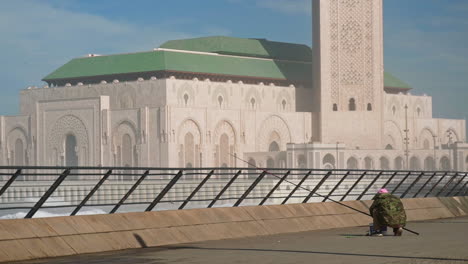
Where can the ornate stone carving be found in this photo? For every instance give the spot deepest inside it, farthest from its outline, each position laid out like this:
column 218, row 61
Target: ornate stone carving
column 65, row 125
column 273, row 124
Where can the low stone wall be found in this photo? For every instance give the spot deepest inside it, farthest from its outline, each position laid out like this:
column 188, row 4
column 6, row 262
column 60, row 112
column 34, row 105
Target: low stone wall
column 24, row 239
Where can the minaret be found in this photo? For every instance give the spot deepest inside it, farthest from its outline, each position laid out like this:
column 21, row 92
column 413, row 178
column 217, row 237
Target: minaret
column 348, row 71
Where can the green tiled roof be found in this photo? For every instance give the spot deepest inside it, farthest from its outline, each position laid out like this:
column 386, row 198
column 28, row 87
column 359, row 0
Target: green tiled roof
column 261, row 48
column 285, row 61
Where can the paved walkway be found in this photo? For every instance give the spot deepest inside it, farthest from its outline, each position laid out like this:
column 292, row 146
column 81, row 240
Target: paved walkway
column 441, row 241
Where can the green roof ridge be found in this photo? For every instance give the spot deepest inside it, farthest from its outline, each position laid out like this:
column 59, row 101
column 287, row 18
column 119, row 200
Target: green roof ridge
column 392, row 81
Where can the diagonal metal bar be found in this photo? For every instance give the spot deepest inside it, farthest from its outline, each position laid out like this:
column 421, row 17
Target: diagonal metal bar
column 462, row 189
column 354, row 185
column 297, row 187
column 401, row 182
column 435, row 185
column 336, row 186
column 91, row 193
column 425, row 184
column 233, row 179
column 457, row 184
column 129, row 192
column 10, row 181
column 390, row 180
column 246, row 193
column 412, row 184
column 370, row 185
column 196, row 190
column 274, row 188
column 48, row 193
column 447, row 184
column 164, row 191
column 317, row 187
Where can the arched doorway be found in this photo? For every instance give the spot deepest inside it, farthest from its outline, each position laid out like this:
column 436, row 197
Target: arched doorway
column 368, row 163
column 19, row 152
column 224, row 146
column 352, row 164
column 71, row 157
column 415, row 164
column 274, row 147
column 384, row 163
column 189, row 150
column 429, row 164
column 398, row 163
column 270, row 163
column 301, row 161
column 445, row 164
column 127, row 148
column 329, row 162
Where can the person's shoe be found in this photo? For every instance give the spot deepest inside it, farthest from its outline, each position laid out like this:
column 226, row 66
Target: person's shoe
column 378, row 234
column 398, row 231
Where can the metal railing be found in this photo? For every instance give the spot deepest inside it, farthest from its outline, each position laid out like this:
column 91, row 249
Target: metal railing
column 52, row 191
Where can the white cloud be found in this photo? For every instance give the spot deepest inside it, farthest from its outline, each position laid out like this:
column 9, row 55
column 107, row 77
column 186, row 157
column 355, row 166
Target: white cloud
column 38, row 37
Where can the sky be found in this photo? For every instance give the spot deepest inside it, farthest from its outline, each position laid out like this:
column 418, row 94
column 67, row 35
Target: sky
column 426, row 41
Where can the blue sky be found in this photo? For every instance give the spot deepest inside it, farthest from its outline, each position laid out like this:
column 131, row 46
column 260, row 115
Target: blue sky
column 426, row 41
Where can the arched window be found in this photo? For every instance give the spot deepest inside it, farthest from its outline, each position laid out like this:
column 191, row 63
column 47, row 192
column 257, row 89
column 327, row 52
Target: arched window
column 429, row 164
column 368, row 163
column 71, row 158
column 19, row 152
column 127, row 151
column 445, row 164
column 369, row 107
column 186, row 99
column 224, row 151
column 393, row 110
column 398, row 163
column 283, row 103
column 220, row 101
column 384, row 163
column 352, row 104
column 329, row 161
column 418, row 111
column 273, row 147
column 189, row 150
column 415, row 164
column 389, row 147
column 252, row 102
column 352, row 164
column 335, row 107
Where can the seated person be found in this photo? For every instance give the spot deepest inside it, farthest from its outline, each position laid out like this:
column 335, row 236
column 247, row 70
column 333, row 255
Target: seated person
column 387, row 210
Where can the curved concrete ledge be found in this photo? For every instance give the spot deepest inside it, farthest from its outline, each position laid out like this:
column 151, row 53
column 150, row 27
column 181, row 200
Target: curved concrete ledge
column 24, row 239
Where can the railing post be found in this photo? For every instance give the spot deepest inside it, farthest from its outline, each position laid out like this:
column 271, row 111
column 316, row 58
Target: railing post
column 354, row 185
column 369, row 186
column 447, row 184
column 297, row 187
column 317, row 187
column 274, row 188
column 458, row 183
column 336, row 187
column 48, row 193
column 233, row 179
column 425, row 184
column 125, row 197
column 246, row 193
column 400, row 183
column 164, row 191
column 412, row 184
column 10, row 181
column 91, row 193
column 433, row 187
column 196, row 190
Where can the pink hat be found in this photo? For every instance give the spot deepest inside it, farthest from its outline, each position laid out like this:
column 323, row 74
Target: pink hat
column 383, row 190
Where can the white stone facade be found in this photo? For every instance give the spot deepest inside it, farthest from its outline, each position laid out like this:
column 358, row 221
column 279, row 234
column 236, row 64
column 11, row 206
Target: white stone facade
column 345, row 120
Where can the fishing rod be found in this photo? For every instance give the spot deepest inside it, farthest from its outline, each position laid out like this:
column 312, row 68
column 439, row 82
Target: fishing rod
column 323, row 196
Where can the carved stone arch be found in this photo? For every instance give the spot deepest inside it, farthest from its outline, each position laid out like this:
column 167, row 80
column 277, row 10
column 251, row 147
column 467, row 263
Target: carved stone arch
column 253, row 93
column 125, row 140
column 393, row 135
column 394, row 102
column 15, row 156
column 426, row 138
column 352, row 163
column 454, row 134
column 225, row 140
column 186, row 92
column 273, row 124
column 284, row 101
column 218, row 92
column 189, row 139
column 385, row 163
column 64, row 126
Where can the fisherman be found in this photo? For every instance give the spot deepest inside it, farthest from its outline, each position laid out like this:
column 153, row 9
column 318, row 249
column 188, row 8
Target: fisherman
column 387, row 210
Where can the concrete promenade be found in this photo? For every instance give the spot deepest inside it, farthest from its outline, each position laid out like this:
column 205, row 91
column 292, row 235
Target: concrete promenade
column 441, row 241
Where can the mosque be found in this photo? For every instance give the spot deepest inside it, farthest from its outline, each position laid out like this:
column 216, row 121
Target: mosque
column 203, row 102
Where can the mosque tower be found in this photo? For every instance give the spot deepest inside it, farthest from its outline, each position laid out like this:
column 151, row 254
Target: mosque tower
column 348, row 71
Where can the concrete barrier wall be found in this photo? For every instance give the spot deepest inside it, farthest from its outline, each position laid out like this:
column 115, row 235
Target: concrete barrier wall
column 24, row 239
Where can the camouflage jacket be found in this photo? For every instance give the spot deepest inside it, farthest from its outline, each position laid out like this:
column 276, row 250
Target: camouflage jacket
column 388, row 209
